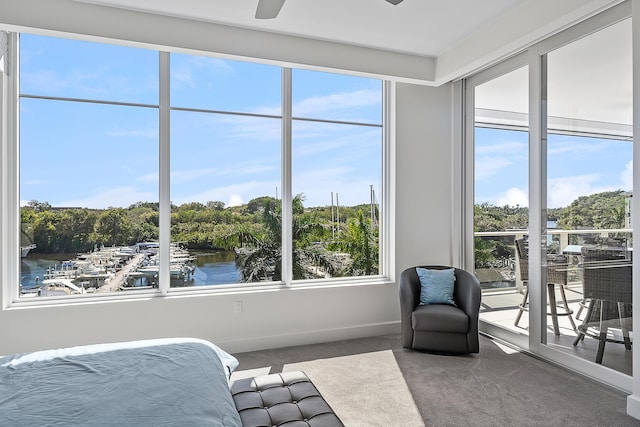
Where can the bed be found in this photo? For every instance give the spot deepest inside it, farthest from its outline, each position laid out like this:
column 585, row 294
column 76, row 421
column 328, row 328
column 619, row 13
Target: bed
column 166, row 382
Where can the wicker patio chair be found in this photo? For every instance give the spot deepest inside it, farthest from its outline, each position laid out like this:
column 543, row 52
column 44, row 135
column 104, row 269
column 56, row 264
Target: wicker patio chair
column 556, row 276
column 606, row 278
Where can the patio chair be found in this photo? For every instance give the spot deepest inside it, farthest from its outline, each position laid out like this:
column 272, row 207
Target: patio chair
column 606, row 278
column 556, row 276
column 441, row 328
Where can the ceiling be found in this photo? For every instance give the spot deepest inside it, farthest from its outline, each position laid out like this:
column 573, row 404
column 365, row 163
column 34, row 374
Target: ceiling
column 419, row 27
column 450, row 34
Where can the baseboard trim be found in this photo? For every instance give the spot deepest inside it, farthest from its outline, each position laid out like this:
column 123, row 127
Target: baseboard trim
column 265, row 342
column 633, row 406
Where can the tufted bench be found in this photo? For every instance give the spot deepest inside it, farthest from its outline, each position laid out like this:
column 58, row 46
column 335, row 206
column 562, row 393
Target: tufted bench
column 287, row 398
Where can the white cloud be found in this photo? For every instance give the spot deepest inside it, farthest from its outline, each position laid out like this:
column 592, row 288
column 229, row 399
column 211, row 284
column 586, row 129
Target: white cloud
column 235, row 170
column 182, row 76
column 114, row 197
column 235, row 200
column 230, row 126
column 44, row 81
column 314, row 106
column 152, row 178
column 562, row 191
column 235, row 194
column 492, row 158
column 486, row 167
column 513, row 197
column 186, row 71
column 192, row 174
column 318, row 184
column 503, row 148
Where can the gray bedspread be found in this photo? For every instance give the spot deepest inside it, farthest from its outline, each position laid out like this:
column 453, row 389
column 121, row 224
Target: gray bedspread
column 177, row 384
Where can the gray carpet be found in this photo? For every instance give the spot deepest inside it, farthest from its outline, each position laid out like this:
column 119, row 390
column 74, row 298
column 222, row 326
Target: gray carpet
column 374, row 382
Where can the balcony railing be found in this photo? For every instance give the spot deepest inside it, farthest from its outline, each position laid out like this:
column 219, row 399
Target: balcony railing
column 502, row 273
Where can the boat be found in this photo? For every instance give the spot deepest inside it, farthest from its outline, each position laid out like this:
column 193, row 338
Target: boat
column 60, row 286
column 24, row 250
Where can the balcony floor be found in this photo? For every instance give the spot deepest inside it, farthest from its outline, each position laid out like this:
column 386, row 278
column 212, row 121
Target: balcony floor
column 501, row 309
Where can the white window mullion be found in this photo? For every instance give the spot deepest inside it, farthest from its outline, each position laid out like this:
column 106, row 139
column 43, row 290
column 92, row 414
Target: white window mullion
column 164, row 278
column 10, row 178
column 537, row 195
column 387, row 210
column 287, row 208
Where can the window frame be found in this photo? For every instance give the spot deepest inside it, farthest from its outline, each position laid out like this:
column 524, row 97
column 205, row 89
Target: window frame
column 10, row 180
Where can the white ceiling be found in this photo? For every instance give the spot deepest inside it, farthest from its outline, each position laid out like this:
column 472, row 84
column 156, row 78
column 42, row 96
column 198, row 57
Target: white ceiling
column 420, row 27
column 450, row 34
column 588, row 80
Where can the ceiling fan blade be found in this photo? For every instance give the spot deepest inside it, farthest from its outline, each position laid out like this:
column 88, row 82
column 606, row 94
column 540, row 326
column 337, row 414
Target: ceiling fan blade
column 394, row 2
column 268, row 9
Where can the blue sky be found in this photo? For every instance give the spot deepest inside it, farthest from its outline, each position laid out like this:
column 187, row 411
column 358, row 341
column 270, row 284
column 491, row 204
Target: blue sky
column 97, row 155
column 577, row 166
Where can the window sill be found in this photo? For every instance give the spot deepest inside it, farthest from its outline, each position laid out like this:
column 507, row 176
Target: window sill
column 201, row 291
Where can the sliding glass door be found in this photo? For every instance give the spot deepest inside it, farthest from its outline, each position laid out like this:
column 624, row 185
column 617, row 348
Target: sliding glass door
column 589, row 189
column 499, row 140
column 549, row 197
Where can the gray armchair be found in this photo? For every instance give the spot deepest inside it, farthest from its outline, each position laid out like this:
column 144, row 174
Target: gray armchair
column 440, row 327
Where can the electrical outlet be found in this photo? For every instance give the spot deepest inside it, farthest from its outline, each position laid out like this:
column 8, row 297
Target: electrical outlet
column 237, row 307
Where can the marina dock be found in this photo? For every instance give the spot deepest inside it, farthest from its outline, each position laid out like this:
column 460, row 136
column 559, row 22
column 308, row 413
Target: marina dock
column 116, row 282
column 113, row 269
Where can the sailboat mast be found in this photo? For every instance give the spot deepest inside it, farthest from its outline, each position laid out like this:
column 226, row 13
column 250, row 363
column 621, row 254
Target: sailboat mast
column 333, row 220
column 338, row 214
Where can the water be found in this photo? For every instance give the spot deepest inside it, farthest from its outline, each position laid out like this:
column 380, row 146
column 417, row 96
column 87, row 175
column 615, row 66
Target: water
column 34, row 266
column 215, row 268
column 211, row 268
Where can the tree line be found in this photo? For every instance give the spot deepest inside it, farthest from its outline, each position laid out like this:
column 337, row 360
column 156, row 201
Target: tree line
column 253, row 230
column 605, row 210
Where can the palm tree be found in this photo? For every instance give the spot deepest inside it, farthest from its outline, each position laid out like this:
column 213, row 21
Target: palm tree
column 360, row 241
column 259, row 249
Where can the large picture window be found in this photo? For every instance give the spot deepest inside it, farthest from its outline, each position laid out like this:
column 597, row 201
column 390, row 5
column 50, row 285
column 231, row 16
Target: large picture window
column 96, row 149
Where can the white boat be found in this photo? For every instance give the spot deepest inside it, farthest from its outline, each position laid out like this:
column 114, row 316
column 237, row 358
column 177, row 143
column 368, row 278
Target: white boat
column 60, row 286
column 24, row 250
column 177, row 271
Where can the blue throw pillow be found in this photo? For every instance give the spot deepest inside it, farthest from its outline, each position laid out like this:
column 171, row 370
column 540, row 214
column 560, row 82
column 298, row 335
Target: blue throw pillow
column 436, row 286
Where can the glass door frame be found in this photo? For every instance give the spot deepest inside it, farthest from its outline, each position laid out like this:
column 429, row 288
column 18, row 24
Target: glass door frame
column 535, row 58
column 512, row 64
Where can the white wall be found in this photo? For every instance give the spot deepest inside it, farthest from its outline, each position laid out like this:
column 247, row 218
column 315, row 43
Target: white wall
column 424, row 188
column 269, row 319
